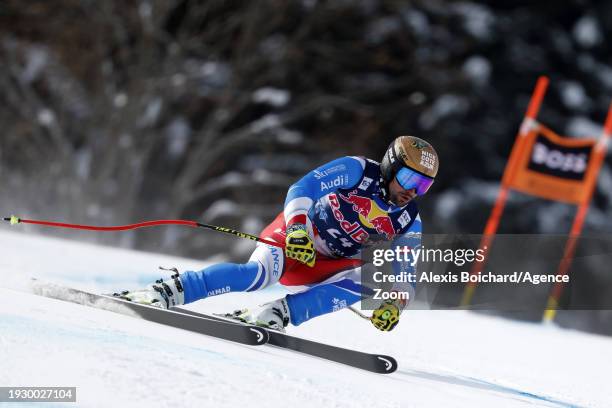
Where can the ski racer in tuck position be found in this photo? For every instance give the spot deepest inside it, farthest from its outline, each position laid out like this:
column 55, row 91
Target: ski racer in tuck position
column 329, row 215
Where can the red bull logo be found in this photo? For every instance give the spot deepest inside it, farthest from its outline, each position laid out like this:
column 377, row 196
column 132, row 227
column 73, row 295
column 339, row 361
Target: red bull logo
column 353, row 228
column 370, row 214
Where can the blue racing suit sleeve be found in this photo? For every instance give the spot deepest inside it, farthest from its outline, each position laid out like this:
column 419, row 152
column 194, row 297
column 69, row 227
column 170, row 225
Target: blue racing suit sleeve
column 344, row 172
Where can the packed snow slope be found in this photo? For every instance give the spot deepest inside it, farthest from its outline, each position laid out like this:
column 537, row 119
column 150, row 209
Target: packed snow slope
column 446, row 358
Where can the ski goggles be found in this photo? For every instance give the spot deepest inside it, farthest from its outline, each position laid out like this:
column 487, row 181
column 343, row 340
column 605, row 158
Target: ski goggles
column 410, row 179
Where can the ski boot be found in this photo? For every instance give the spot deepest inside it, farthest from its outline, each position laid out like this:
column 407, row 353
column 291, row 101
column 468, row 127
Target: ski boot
column 274, row 315
column 162, row 294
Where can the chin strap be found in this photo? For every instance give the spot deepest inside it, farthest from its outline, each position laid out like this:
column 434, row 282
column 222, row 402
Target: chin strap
column 384, row 190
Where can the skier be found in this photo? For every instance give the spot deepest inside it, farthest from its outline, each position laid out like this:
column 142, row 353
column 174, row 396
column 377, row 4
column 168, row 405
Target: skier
column 329, row 215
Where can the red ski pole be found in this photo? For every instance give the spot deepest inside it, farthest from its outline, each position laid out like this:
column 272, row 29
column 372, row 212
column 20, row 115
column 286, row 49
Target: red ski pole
column 13, row 220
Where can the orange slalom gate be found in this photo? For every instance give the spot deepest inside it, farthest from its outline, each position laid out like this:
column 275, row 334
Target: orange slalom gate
column 546, row 165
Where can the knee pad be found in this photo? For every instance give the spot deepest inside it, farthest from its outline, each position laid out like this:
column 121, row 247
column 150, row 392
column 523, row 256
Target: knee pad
column 271, row 261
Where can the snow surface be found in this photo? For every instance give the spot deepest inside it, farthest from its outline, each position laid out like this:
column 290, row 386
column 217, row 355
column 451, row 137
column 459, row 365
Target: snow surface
column 446, row 358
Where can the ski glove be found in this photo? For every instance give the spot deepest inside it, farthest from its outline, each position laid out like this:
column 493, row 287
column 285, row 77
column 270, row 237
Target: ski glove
column 299, row 245
column 386, row 317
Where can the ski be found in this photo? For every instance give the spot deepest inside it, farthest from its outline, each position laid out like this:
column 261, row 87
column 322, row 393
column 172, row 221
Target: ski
column 377, row 363
column 202, row 324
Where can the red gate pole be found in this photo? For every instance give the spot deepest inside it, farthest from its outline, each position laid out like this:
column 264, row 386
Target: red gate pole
column 498, row 209
column 599, row 154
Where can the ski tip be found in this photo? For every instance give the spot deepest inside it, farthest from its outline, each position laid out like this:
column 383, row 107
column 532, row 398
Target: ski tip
column 387, row 364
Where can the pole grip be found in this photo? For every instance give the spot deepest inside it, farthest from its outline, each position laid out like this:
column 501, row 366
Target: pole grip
column 12, row 219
